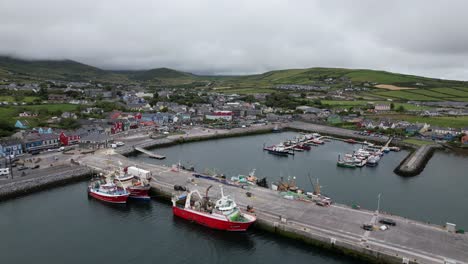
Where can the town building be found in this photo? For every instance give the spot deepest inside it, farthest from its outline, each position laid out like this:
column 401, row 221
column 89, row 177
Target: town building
column 11, row 147
column 220, row 115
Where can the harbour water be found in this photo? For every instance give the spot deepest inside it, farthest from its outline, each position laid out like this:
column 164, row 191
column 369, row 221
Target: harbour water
column 62, row 225
column 437, row 195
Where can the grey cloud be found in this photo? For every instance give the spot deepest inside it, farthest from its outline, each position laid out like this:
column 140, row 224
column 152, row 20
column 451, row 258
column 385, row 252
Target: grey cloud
column 238, row 37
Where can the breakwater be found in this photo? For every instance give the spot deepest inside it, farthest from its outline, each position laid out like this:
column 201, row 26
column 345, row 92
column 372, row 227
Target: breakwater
column 416, row 161
column 61, row 175
column 173, row 140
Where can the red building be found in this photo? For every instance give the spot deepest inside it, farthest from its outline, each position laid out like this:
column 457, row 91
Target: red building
column 137, row 116
column 464, row 140
column 117, row 127
column 70, row 139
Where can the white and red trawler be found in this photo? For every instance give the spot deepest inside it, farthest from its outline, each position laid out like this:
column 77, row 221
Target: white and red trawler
column 222, row 214
column 107, row 192
column 135, row 180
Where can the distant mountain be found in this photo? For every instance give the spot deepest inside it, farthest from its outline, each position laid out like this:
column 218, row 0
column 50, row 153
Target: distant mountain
column 159, row 73
column 75, row 71
column 56, row 70
column 306, row 76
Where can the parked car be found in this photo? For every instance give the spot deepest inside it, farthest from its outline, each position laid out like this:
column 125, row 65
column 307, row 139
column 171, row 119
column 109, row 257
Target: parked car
column 383, row 227
column 22, row 168
column 35, row 166
column 368, row 227
column 387, row 221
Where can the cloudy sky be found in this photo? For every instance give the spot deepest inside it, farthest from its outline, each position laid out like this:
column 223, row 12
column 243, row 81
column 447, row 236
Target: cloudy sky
column 243, row 36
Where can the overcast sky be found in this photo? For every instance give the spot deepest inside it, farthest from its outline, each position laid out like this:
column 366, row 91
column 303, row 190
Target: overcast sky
column 236, row 37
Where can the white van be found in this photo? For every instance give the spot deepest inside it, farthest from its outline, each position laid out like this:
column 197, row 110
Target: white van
column 4, row 171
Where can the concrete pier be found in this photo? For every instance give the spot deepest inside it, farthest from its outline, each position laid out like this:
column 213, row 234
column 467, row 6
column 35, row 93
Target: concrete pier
column 335, row 131
column 44, row 178
column 416, row 161
column 337, row 227
column 149, row 153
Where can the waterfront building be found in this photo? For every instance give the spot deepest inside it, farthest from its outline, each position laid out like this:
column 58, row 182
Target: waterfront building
column 11, row 147
column 217, row 115
column 69, row 138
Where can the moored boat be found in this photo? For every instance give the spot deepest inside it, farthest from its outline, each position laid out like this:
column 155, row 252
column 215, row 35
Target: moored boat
column 345, row 164
column 303, row 146
column 278, row 150
column 317, row 141
column 135, row 180
column 373, row 161
column 108, row 192
column 351, row 141
column 223, row 214
column 276, row 129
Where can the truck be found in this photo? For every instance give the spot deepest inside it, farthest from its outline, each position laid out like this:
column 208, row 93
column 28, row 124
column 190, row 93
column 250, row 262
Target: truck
column 144, row 174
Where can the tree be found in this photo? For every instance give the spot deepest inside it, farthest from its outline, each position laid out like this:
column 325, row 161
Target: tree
column 18, row 97
column 69, row 123
column 303, row 95
column 155, row 95
column 43, row 93
column 401, row 108
column 249, row 98
column 392, row 106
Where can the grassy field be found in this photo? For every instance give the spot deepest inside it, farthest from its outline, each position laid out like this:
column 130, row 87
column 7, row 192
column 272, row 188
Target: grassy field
column 417, row 142
column 10, row 99
column 9, row 114
column 451, row 91
column 406, row 95
column 430, row 93
column 52, row 107
column 443, row 121
column 335, row 103
column 246, row 90
column 459, row 99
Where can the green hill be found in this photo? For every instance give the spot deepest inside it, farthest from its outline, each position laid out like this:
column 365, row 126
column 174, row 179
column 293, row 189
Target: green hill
column 159, row 73
column 56, row 70
column 425, row 88
column 311, row 75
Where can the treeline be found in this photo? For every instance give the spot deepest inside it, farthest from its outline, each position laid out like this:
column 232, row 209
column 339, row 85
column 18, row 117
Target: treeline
column 284, row 100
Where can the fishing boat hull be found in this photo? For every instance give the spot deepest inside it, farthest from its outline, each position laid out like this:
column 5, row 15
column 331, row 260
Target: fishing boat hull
column 345, row 165
column 212, row 222
column 278, row 153
column 139, row 192
column 116, row 199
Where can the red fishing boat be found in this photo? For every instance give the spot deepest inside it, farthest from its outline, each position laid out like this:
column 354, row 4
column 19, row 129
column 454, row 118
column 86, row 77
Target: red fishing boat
column 351, row 141
column 222, row 214
column 303, row 146
column 108, row 192
column 135, row 180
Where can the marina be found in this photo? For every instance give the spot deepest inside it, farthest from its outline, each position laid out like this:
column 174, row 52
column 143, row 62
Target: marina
column 369, row 154
column 336, row 225
column 283, row 217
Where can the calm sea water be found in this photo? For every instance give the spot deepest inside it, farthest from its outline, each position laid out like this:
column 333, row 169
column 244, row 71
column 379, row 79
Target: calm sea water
column 62, row 225
column 437, row 195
